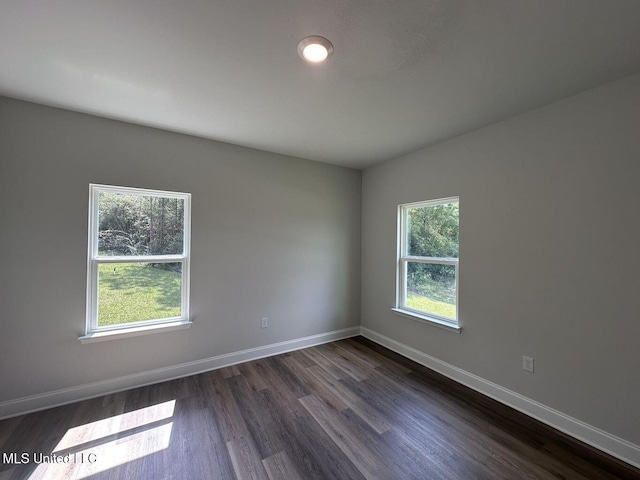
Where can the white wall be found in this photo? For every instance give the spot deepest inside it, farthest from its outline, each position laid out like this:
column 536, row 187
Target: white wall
column 549, row 253
column 271, row 236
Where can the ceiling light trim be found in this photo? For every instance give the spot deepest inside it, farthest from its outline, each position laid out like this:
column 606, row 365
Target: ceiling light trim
column 315, row 54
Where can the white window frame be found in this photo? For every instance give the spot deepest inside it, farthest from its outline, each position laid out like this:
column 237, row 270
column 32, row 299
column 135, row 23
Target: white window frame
column 96, row 333
column 401, row 271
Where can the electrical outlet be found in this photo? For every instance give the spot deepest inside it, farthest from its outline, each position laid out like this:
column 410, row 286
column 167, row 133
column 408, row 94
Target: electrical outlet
column 264, row 322
column 527, row 364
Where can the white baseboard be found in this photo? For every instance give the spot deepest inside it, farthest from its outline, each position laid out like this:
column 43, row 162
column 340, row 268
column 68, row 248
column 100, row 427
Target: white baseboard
column 33, row 403
column 614, row 446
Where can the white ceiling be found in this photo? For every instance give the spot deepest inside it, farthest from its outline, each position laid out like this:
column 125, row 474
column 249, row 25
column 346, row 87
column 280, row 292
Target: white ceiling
column 405, row 73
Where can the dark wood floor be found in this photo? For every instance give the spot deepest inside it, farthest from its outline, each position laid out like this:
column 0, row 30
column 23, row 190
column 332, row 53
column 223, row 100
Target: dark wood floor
column 345, row 410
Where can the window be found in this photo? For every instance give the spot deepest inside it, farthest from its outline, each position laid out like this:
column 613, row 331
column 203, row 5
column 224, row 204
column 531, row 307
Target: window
column 428, row 260
column 138, row 260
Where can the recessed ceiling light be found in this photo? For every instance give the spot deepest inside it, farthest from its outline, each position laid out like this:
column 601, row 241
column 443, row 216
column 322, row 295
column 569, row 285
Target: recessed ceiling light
column 315, row 49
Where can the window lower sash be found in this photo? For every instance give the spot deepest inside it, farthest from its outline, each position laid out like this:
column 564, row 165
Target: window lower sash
column 435, row 306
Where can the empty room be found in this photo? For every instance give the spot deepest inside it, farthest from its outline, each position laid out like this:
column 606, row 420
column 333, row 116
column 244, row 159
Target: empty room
column 319, row 240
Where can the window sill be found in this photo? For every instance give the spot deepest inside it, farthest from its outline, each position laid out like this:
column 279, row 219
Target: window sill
column 101, row 336
column 428, row 320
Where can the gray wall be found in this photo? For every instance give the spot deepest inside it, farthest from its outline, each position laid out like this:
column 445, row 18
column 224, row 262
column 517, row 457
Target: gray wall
column 549, row 249
column 549, row 253
column 272, row 236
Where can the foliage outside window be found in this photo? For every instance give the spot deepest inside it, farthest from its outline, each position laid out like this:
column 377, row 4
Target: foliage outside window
column 138, row 257
column 428, row 259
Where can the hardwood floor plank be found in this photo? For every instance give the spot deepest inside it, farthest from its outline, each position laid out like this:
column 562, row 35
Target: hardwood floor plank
column 485, row 431
column 221, row 398
column 7, row 474
column 285, row 402
column 228, row 372
column 424, row 458
column 368, row 348
column 8, row 427
column 275, row 425
column 289, row 380
column 246, row 462
column 349, row 442
column 280, row 467
column 278, row 377
column 118, row 397
column 352, row 355
column 309, row 447
column 321, row 362
column 478, row 443
column 566, row 461
column 368, row 412
column 312, row 384
column 399, row 457
column 196, row 435
column 336, row 357
column 300, row 357
column 419, row 430
column 260, row 421
column 251, row 374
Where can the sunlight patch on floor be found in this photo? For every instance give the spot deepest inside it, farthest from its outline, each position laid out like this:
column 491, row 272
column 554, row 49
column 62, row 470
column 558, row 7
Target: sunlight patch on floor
column 98, row 446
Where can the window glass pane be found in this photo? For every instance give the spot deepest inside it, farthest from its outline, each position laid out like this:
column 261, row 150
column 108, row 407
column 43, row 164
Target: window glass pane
column 431, row 288
column 130, row 224
column 134, row 292
column 433, row 231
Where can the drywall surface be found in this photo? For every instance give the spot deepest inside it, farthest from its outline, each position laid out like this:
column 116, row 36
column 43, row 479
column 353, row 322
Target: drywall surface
column 549, row 253
column 272, row 236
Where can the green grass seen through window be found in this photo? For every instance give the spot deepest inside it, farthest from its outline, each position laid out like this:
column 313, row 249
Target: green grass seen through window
column 427, row 305
column 133, row 292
